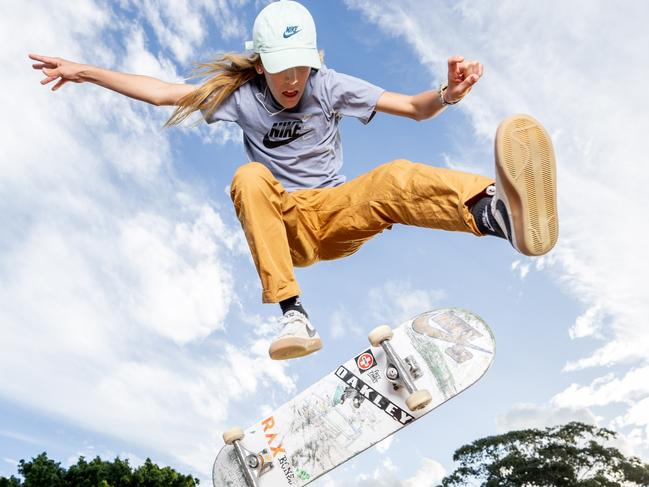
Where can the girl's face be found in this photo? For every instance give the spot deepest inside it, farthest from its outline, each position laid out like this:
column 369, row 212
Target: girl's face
column 287, row 86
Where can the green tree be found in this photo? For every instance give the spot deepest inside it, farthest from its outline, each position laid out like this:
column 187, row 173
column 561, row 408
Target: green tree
column 92, row 474
column 572, row 455
column 9, row 482
column 43, row 472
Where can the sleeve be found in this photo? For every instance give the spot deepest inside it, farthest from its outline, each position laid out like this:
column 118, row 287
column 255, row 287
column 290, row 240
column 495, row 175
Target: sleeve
column 350, row 96
column 227, row 111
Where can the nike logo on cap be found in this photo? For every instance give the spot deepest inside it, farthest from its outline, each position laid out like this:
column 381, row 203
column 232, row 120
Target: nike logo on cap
column 291, row 30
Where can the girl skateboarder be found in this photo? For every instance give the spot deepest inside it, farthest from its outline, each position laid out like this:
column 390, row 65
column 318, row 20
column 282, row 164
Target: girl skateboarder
column 294, row 204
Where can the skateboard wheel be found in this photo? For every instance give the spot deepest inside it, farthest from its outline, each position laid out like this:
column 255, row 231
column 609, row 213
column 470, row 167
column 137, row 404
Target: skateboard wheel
column 232, row 435
column 419, row 400
column 380, row 334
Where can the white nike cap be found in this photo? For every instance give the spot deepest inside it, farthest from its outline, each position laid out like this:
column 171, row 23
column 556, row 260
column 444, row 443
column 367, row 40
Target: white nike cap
column 284, row 36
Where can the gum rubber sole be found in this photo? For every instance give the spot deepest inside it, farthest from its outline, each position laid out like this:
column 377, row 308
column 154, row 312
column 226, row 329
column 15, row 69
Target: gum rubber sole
column 292, row 347
column 526, row 173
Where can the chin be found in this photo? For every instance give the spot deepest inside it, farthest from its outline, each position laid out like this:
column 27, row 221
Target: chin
column 291, row 103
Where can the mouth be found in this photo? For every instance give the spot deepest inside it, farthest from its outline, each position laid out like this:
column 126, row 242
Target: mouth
column 290, row 94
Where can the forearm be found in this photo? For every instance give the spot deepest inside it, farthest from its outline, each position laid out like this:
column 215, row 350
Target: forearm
column 427, row 105
column 143, row 88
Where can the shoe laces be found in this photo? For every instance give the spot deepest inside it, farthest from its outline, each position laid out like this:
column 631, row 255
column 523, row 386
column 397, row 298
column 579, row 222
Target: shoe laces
column 293, row 321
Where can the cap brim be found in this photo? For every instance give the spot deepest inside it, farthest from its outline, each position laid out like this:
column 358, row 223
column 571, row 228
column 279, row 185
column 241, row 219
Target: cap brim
column 277, row 61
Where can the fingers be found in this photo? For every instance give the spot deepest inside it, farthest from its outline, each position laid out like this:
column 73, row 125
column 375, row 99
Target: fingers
column 462, row 75
column 51, row 75
column 61, row 82
column 460, row 71
column 453, row 63
column 45, row 61
column 472, row 68
column 468, row 83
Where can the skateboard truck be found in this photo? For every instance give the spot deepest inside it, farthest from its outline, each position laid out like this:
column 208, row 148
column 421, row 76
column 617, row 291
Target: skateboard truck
column 402, row 373
column 253, row 465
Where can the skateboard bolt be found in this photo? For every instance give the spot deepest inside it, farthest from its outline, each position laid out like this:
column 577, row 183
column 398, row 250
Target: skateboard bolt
column 392, row 373
column 253, row 462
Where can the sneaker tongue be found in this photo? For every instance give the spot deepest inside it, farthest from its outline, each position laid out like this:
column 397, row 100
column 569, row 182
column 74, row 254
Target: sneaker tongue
column 292, row 313
column 291, row 316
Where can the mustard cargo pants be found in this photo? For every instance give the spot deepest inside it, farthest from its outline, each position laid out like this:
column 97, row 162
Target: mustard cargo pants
column 303, row 227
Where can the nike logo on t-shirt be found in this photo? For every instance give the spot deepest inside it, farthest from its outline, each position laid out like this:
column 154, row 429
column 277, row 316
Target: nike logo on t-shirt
column 282, row 133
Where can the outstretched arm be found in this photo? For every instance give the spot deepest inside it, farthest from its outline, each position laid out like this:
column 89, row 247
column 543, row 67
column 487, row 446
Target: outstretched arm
column 144, row 88
column 462, row 75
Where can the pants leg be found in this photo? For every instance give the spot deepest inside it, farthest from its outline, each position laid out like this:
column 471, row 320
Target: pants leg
column 397, row 192
column 261, row 203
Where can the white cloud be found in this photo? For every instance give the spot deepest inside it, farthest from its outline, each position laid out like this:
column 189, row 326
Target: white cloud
column 522, row 268
column 606, row 390
column 384, row 475
column 342, row 324
column 524, row 416
column 222, row 133
column 138, row 59
column 384, row 445
column 430, row 473
column 589, row 323
column 574, row 76
column 182, row 25
column 115, row 275
column 388, row 474
column 13, row 435
column 397, row 301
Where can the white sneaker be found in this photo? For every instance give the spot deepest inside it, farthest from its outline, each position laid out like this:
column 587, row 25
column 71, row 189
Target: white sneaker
column 297, row 337
column 525, row 203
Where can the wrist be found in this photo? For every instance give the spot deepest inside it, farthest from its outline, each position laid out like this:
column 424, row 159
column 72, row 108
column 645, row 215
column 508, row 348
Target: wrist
column 442, row 96
column 89, row 73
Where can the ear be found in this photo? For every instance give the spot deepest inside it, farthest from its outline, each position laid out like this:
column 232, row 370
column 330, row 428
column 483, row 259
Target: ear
column 259, row 68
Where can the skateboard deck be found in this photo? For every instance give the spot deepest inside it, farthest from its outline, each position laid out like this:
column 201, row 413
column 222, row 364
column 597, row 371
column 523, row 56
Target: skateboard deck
column 357, row 405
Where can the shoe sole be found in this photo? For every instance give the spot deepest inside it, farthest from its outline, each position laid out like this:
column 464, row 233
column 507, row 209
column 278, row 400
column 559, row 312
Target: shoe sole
column 526, row 171
column 291, row 347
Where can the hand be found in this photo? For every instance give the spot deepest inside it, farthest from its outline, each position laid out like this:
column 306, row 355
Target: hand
column 56, row 68
column 462, row 75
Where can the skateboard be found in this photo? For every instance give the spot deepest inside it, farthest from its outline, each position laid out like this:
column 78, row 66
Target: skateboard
column 405, row 373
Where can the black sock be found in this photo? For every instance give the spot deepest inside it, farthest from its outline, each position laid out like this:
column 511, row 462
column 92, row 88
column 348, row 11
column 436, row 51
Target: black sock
column 484, row 218
column 293, row 303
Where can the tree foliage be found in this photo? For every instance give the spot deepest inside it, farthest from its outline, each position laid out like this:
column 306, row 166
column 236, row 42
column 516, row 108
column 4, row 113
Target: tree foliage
column 572, row 455
column 43, row 472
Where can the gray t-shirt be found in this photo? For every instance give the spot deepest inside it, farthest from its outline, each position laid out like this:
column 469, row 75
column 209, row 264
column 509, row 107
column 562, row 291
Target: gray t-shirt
column 301, row 146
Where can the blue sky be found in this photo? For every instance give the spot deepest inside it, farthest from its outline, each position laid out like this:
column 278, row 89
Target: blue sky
column 130, row 312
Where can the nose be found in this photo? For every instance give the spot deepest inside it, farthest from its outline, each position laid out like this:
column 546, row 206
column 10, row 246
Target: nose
column 290, row 76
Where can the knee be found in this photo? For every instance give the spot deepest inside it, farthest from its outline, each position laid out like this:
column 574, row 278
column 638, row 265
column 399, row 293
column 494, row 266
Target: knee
column 250, row 177
column 396, row 167
column 395, row 174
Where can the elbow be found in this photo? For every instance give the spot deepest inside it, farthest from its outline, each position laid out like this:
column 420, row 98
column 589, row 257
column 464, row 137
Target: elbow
column 161, row 101
column 164, row 97
column 418, row 117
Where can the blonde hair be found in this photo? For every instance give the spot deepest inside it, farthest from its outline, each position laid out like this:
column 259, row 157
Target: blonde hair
column 226, row 74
